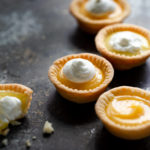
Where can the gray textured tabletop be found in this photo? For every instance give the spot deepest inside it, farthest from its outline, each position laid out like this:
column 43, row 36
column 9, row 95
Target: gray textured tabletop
column 33, row 33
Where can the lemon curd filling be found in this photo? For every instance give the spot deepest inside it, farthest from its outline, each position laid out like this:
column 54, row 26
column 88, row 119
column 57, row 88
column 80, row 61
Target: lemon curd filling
column 4, row 121
column 93, row 83
column 129, row 110
column 127, row 43
column 100, row 9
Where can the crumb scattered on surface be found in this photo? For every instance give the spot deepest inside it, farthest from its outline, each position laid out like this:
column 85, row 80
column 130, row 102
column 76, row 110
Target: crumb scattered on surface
column 48, row 129
column 33, row 137
column 5, row 132
column 5, row 142
column 43, row 37
column 28, row 143
column 15, row 123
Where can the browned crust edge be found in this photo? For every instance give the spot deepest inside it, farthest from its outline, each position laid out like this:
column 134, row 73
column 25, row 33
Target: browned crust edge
column 81, row 96
column 121, row 62
column 122, row 131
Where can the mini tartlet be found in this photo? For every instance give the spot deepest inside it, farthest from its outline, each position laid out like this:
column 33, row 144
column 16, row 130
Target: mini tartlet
column 92, row 23
column 9, row 93
column 81, row 92
column 124, row 60
column 125, row 112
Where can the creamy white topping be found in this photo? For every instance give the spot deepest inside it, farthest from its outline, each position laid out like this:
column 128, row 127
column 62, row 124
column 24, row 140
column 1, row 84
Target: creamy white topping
column 100, row 6
column 10, row 108
column 79, row 70
column 127, row 41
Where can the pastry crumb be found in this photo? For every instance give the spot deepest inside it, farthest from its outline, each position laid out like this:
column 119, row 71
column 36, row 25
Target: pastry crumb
column 28, row 143
column 5, row 142
column 48, row 129
column 33, row 137
column 15, row 123
column 5, row 132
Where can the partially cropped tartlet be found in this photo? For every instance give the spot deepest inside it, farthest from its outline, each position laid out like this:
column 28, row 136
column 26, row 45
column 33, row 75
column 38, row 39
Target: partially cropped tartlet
column 92, row 15
column 14, row 103
column 124, row 45
column 81, row 78
column 125, row 112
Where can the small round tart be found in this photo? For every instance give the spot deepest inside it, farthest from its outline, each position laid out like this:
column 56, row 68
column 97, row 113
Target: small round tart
column 14, row 103
column 124, row 45
column 81, row 78
column 92, row 15
column 125, row 112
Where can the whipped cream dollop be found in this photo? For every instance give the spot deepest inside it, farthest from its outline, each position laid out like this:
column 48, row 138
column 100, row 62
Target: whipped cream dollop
column 10, row 108
column 100, row 6
column 127, row 41
column 79, row 70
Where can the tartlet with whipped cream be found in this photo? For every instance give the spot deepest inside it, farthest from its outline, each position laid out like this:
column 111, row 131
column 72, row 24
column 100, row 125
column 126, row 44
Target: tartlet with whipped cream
column 125, row 112
column 124, row 45
column 15, row 100
column 81, row 78
column 92, row 15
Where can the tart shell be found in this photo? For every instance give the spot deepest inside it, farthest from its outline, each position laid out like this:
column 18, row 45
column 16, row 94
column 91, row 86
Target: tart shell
column 20, row 89
column 94, row 25
column 122, row 131
column 119, row 61
column 81, row 96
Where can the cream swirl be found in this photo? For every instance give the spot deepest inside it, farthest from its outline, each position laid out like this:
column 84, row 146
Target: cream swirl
column 79, row 70
column 129, row 110
column 10, row 108
column 100, row 6
column 127, row 41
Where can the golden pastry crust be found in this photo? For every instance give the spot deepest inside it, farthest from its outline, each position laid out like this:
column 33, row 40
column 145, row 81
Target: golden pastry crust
column 119, row 61
column 92, row 25
column 81, row 96
column 20, row 89
column 122, row 131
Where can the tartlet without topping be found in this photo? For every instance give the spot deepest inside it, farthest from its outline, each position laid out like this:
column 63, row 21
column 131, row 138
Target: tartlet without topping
column 125, row 112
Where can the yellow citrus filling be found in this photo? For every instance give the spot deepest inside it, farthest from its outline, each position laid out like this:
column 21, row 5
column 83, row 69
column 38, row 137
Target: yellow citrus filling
column 93, row 83
column 129, row 110
column 22, row 97
column 143, row 48
column 109, row 15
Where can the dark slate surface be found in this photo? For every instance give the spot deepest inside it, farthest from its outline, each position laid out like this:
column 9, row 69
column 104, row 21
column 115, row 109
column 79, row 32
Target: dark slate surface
column 33, row 33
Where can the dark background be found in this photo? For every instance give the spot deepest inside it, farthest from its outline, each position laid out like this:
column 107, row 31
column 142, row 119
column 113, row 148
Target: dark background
column 33, row 33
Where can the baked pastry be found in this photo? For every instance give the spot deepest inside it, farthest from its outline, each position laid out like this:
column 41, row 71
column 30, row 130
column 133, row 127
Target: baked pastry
column 124, row 45
column 14, row 103
column 92, row 15
column 81, row 78
column 125, row 112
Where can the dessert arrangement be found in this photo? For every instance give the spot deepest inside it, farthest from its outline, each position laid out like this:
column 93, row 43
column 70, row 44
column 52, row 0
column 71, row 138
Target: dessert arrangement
column 84, row 77
column 125, row 112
